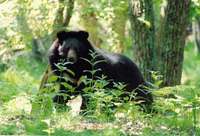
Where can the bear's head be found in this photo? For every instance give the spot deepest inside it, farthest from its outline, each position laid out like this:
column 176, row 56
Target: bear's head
column 73, row 45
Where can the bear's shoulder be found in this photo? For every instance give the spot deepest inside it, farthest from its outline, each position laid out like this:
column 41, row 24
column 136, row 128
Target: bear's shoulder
column 113, row 58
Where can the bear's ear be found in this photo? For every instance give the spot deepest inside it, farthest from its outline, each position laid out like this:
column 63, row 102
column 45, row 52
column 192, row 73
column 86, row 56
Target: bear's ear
column 61, row 35
column 83, row 34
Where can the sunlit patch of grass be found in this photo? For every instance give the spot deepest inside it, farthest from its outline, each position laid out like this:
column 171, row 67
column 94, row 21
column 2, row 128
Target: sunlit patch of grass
column 23, row 76
column 19, row 104
column 66, row 120
column 177, row 110
column 15, row 109
column 34, row 127
column 15, row 77
column 14, row 82
column 10, row 122
column 10, row 129
column 7, row 90
column 63, row 132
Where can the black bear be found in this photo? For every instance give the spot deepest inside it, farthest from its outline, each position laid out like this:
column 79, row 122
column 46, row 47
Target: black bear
column 73, row 48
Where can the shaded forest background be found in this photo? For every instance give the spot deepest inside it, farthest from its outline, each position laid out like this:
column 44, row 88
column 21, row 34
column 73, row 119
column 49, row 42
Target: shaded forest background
column 32, row 25
column 161, row 36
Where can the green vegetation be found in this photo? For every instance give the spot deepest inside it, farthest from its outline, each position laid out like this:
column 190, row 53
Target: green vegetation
column 177, row 107
column 26, row 32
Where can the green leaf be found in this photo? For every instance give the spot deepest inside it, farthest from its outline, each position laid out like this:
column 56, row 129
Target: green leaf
column 97, row 62
column 87, row 60
column 53, row 78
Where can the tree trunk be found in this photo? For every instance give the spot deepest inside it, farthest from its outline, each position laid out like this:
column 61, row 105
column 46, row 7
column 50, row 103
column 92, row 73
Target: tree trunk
column 173, row 40
column 197, row 33
column 58, row 20
column 143, row 34
column 68, row 12
column 62, row 19
column 90, row 22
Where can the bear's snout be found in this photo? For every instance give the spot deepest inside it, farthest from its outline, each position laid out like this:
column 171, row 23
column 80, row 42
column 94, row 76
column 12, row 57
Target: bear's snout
column 72, row 56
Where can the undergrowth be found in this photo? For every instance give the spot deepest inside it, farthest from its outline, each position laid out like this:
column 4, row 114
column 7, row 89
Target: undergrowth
column 176, row 108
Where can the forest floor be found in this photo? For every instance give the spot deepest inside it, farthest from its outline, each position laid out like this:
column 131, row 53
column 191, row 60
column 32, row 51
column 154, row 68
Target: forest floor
column 177, row 108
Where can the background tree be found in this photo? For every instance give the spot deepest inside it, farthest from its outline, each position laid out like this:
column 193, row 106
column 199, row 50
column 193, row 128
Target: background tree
column 143, row 35
column 105, row 20
column 89, row 20
column 169, row 52
column 61, row 20
column 197, row 33
column 173, row 37
column 63, row 15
